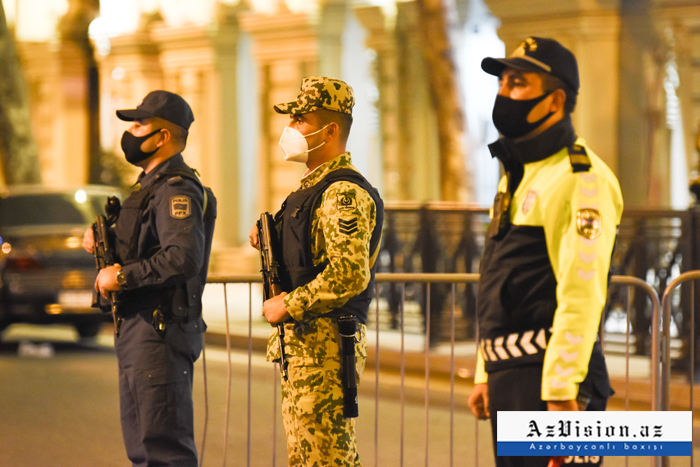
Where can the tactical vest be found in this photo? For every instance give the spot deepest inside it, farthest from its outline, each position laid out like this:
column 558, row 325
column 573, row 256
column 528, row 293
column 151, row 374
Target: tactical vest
column 181, row 300
column 297, row 216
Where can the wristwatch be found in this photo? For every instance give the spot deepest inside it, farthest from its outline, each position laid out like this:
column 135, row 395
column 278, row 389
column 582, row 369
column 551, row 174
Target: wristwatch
column 121, row 280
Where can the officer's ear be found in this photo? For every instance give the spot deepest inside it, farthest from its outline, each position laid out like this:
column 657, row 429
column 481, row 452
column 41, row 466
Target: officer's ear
column 558, row 100
column 164, row 137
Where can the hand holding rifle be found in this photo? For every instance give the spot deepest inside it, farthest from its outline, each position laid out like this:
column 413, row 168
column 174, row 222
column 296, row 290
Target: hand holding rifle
column 272, row 271
column 105, row 256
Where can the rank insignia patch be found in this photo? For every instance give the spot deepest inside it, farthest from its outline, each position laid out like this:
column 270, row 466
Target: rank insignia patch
column 588, row 223
column 346, row 201
column 180, row 207
column 347, row 226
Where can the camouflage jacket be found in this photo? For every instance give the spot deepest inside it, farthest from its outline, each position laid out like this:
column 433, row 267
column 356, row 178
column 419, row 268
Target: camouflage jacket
column 347, row 251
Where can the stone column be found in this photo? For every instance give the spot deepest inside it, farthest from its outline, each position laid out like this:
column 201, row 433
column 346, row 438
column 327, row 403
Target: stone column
column 381, row 37
column 62, row 85
column 285, row 47
column 329, row 29
column 644, row 147
column 58, row 90
column 73, row 29
column 590, row 30
column 129, row 72
column 681, row 26
column 200, row 65
column 410, row 136
column 418, row 155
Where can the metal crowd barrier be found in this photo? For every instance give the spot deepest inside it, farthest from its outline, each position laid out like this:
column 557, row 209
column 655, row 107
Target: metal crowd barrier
column 667, row 302
column 381, row 353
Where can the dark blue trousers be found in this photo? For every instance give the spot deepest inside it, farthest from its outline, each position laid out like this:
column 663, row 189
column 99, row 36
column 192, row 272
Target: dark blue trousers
column 520, row 388
column 155, row 390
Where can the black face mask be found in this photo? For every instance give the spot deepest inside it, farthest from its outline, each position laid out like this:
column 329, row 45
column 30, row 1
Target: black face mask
column 510, row 115
column 131, row 145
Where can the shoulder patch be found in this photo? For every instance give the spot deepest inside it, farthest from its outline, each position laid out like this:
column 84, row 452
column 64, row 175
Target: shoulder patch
column 180, row 207
column 580, row 162
column 588, row 223
column 346, row 201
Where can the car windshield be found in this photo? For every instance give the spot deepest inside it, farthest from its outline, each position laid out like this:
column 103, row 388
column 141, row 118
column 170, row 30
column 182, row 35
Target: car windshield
column 48, row 209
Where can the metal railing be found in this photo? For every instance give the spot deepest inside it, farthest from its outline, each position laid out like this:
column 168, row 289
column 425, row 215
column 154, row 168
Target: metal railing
column 654, row 245
column 438, row 364
column 667, row 299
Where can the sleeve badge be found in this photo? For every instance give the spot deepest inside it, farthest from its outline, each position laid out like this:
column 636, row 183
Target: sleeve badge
column 588, row 223
column 346, row 201
column 180, row 207
column 348, row 226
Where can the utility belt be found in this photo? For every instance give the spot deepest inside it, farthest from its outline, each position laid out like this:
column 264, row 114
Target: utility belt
column 179, row 304
column 514, row 349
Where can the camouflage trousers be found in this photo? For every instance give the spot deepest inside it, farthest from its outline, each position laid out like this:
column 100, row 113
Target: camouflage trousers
column 312, row 398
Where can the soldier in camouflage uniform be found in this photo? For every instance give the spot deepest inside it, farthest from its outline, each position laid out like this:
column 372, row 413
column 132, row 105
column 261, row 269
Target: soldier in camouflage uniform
column 330, row 233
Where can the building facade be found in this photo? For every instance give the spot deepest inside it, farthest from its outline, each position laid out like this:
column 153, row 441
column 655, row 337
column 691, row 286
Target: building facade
column 639, row 106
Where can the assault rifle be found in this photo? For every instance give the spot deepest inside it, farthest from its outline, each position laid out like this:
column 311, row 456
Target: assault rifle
column 105, row 254
column 272, row 275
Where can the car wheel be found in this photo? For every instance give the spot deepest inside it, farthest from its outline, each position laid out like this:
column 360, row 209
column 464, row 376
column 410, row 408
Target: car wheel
column 88, row 330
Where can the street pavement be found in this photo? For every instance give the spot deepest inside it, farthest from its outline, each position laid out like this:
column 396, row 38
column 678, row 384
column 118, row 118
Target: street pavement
column 59, row 407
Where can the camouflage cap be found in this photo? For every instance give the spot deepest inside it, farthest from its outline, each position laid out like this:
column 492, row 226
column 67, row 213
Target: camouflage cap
column 318, row 93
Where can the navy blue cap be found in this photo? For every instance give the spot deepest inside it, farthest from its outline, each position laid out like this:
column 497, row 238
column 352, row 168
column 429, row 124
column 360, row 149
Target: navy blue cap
column 162, row 104
column 540, row 55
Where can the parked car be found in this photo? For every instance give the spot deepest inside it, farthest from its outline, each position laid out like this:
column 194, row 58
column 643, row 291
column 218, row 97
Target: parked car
column 46, row 275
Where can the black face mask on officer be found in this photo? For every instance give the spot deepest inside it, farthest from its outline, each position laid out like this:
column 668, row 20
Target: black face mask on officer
column 510, row 115
column 131, row 145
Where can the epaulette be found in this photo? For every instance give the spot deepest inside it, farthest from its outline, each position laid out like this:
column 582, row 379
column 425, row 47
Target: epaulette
column 580, row 162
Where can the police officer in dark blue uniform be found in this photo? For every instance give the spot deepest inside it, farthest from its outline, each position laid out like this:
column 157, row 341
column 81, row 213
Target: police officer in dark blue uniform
column 162, row 240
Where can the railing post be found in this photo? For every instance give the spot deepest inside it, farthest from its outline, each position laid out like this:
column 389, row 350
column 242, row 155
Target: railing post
column 666, row 357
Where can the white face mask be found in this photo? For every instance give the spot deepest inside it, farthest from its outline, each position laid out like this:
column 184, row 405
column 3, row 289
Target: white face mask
column 295, row 146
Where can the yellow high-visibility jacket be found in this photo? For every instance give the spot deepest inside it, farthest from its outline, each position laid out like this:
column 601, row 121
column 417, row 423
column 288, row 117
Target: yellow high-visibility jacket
column 544, row 278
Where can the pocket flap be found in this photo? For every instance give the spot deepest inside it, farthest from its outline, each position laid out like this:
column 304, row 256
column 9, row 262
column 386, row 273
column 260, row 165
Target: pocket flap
column 157, row 376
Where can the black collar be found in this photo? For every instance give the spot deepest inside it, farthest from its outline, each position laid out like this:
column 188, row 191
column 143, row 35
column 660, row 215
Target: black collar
column 514, row 155
column 146, row 179
column 547, row 143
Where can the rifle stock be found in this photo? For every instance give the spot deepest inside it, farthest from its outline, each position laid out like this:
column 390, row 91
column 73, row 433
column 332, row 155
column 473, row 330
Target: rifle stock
column 272, row 275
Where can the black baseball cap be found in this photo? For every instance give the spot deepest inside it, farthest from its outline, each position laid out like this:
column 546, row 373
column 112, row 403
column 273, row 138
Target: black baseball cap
column 540, row 55
column 162, row 104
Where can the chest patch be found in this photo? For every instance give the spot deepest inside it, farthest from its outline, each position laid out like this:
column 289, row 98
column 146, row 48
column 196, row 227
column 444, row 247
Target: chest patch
column 346, row 201
column 588, row 223
column 180, row 207
column 529, row 202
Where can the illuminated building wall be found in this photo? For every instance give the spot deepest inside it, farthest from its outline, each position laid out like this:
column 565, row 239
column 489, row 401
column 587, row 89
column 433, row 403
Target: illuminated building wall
column 233, row 60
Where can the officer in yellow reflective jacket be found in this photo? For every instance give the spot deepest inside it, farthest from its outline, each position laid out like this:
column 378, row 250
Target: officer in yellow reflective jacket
column 545, row 268
column 330, row 234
